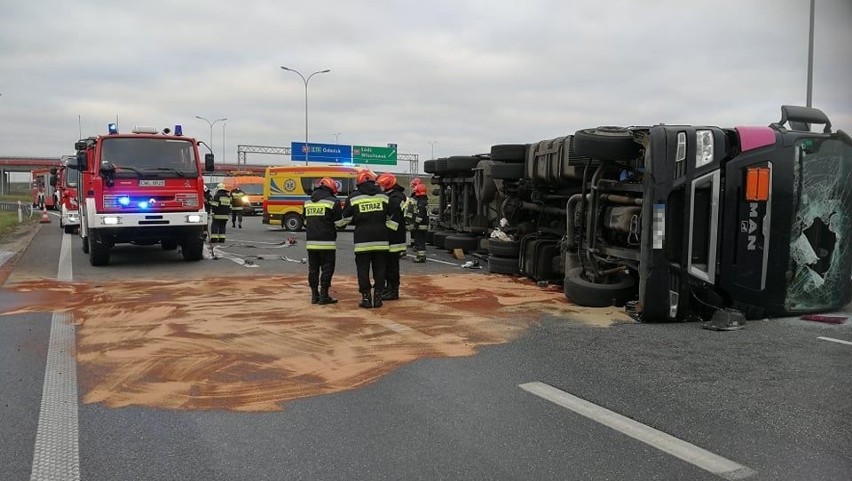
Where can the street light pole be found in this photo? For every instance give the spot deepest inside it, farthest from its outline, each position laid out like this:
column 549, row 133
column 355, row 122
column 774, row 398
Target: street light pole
column 211, row 124
column 811, row 58
column 433, row 148
column 337, row 137
column 223, row 141
column 305, row 80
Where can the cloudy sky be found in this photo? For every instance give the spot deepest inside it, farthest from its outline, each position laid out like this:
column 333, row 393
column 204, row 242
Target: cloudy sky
column 463, row 74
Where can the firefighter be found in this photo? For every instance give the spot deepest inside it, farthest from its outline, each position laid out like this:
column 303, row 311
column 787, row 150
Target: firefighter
column 220, row 205
column 207, row 197
column 237, row 200
column 321, row 212
column 367, row 209
column 420, row 222
column 396, row 234
column 408, row 208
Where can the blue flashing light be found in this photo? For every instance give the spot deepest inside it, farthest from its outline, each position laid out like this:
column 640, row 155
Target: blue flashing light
column 113, row 128
column 143, row 205
column 125, row 201
column 178, row 130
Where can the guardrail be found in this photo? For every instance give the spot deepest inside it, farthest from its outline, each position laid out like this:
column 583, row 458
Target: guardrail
column 26, row 208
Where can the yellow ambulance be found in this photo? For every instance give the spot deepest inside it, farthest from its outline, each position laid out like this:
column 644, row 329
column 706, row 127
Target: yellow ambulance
column 286, row 188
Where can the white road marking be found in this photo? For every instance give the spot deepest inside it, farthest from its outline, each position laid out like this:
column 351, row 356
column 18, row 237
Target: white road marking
column 678, row 448
column 56, row 455
column 831, row 339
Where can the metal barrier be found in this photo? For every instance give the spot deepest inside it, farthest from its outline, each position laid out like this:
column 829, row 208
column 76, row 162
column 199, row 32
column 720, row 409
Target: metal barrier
column 26, row 208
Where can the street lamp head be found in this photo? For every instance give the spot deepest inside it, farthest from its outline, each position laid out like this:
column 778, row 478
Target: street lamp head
column 325, row 71
column 284, row 68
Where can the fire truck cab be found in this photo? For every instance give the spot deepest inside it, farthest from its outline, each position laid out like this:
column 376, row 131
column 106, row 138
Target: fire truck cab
column 64, row 181
column 141, row 188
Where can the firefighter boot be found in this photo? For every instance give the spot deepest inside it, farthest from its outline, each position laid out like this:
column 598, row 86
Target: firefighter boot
column 391, row 293
column 377, row 298
column 366, row 300
column 315, row 295
column 324, row 298
column 420, row 257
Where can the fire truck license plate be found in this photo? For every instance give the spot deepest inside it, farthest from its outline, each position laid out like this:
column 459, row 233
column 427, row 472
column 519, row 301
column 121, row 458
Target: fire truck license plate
column 152, row 183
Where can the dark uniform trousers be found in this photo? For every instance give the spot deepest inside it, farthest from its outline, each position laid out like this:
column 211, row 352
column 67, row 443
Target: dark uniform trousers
column 392, row 269
column 321, row 260
column 419, row 236
column 378, row 261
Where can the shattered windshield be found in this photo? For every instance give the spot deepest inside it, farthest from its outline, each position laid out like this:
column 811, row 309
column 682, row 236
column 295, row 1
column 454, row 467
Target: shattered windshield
column 820, row 256
column 164, row 157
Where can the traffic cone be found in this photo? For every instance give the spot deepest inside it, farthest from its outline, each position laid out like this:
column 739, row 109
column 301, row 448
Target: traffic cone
column 45, row 219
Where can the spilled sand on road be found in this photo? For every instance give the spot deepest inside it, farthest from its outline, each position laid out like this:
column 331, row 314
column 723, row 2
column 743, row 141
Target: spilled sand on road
column 251, row 344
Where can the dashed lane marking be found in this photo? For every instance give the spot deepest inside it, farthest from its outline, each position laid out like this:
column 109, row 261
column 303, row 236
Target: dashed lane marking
column 678, row 448
column 56, row 455
column 831, row 339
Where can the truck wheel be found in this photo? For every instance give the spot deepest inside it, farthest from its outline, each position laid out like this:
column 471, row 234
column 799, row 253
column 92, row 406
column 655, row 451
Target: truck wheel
column 169, row 245
column 606, row 143
column 592, row 294
column 510, row 153
column 69, row 229
column 503, row 265
column 292, row 222
column 439, row 236
column 503, row 248
column 429, row 166
column 98, row 253
column 192, row 248
column 85, row 244
column 465, row 243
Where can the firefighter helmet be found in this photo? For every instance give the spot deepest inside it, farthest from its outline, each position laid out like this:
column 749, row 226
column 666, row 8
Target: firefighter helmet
column 220, row 185
column 329, row 183
column 365, row 175
column 386, row 181
column 415, row 181
column 419, row 189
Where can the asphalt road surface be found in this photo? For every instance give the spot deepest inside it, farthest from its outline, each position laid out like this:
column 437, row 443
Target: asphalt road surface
column 562, row 400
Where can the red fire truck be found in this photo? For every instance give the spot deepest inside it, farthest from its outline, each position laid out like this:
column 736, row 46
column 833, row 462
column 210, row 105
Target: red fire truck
column 44, row 194
column 142, row 188
column 64, row 181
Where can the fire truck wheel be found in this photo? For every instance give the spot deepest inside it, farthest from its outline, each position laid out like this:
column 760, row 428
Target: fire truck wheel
column 169, row 245
column 292, row 222
column 98, row 253
column 192, row 248
column 585, row 293
column 606, row 143
column 69, row 229
column 85, row 244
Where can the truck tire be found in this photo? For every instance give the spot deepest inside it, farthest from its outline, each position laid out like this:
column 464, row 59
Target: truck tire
column 69, row 229
column 439, row 236
column 169, row 245
column 606, row 143
column 503, row 265
column 429, row 166
column 98, row 253
column 503, row 248
column 461, row 163
column 292, row 222
column 192, row 248
column 465, row 243
column 507, row 171
column 591, row 294
column 509, row 153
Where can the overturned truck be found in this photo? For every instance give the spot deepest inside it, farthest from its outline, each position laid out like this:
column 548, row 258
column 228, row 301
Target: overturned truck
column 679, row 221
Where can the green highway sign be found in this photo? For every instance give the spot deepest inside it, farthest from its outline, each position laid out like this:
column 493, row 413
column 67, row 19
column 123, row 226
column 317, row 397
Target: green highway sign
column 363, row 154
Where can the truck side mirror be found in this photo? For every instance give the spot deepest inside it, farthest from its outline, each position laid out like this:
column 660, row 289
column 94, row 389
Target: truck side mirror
column 208, row 163
column 80, row 145
column 81, row 161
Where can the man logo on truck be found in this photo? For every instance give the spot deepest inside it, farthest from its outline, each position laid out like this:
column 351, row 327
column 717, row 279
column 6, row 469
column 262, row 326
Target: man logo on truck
column 752, row 227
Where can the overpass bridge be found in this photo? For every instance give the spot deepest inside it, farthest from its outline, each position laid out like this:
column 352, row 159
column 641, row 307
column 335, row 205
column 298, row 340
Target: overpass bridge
column 22, row 164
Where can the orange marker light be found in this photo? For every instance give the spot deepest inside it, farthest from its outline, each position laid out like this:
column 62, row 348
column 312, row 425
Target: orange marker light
column 757, row 184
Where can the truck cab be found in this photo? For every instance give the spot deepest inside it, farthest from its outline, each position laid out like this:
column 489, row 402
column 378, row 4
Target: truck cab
column 142, row 188
column 65, row 182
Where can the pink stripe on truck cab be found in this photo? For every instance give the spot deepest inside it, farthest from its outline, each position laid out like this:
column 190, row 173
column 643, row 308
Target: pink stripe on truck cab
column 755, row 137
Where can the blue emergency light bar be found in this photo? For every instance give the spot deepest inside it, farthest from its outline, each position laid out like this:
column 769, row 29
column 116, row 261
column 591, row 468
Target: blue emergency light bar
column 113, row 128
column 178, row 130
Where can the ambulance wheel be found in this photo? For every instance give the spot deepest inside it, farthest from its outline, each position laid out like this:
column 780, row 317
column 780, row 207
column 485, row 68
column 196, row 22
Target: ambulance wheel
column 292, row 222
